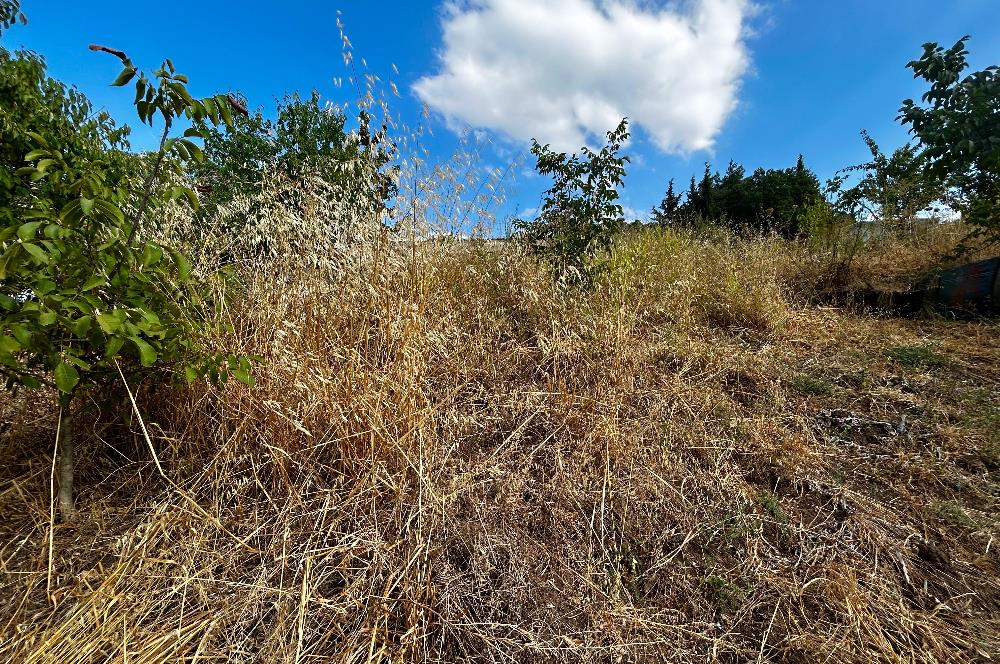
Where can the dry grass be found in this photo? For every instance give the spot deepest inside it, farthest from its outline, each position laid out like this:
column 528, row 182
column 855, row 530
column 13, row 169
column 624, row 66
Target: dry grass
column 446, row 460
column 845, row 266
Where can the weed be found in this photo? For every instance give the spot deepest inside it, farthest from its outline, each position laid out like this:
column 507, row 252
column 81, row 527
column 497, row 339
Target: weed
column 728, row 597
column 981, row 408
column 916, row 357
column 990, row 452
column 771, row 505
column 737, row 531
column 622, row 570
column 954, row 513
column 811, row 385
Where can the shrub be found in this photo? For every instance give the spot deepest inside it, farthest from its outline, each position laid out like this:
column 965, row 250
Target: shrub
column 892, row 190
column 85, row 300
column 580, row 212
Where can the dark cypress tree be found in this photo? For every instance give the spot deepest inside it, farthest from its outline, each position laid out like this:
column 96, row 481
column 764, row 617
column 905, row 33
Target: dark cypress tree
column 730, row 196
column 691, row 201
column 807, row 194
column 706, row 194
column 773, row 200
column 666, row 212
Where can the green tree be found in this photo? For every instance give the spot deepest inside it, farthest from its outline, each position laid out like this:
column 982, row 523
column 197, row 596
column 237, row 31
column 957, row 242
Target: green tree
column 667, row 211
column 892, row 189
column 236, row 159
column 766, row 201
column 691, row 205
column 958, row 127
column 10, row 13
column 307, row 139
column 36, row 104
column 84, row 299
column 580, row 211
column 708, row 206
column 781, row 197
column 733, row 200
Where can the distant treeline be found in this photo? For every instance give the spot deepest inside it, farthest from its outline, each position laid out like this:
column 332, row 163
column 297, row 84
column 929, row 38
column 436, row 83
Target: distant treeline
column 767, row 200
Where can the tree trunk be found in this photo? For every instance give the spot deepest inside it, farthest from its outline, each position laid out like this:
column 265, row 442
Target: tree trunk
column 67, row 508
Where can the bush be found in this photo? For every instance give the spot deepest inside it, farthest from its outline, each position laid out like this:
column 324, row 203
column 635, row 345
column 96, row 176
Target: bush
column 86, row 300
column 580, row 212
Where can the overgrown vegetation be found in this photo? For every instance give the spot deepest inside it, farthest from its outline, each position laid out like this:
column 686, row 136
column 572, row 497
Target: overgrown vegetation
column 307, row 147
column 448, row 455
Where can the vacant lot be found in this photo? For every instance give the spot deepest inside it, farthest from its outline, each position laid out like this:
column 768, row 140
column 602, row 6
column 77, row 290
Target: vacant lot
column 445, row 458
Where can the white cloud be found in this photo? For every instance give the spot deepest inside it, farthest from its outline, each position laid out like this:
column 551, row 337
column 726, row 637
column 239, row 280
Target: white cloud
column 566, row 71
column 634, row 214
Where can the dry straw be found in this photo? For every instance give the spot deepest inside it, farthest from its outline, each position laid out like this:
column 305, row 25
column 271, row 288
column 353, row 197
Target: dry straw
column 447, row 459
column 450, row 460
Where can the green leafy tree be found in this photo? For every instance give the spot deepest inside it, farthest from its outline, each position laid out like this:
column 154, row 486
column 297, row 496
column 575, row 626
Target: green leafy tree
column 958, row 128
column 580, row 211
column 10, row 13
column 236, row 159
column 307, row 139
column 84, row 299
column 36, row 104
column 781, row 198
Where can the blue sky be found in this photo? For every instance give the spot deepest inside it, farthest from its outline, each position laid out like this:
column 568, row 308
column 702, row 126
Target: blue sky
column 702, row 79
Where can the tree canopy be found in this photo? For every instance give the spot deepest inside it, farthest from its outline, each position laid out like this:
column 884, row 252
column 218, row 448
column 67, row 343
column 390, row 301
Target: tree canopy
column 957, row 125
column 307, row 138
column 768, row 200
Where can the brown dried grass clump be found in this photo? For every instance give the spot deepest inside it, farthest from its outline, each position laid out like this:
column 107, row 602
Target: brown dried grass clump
column 447, row 459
